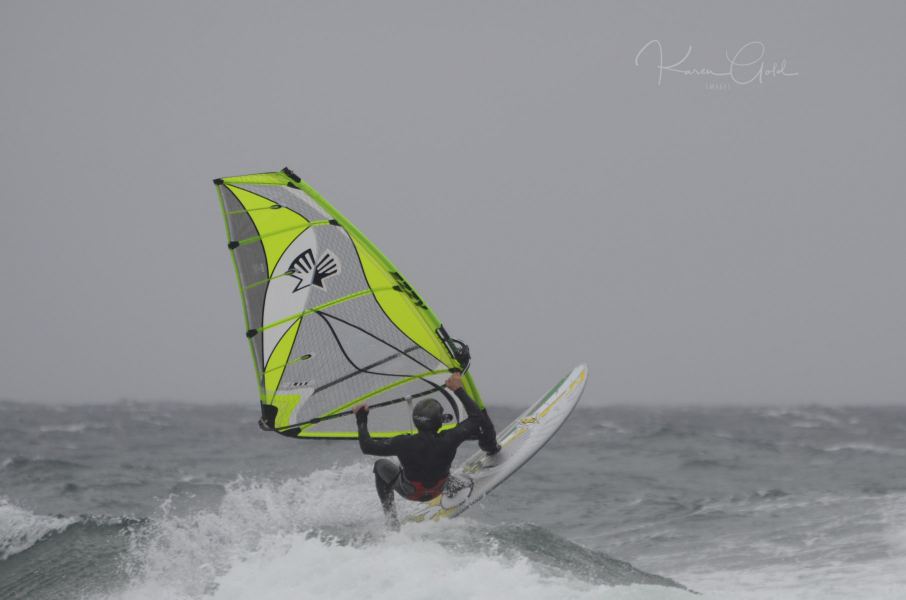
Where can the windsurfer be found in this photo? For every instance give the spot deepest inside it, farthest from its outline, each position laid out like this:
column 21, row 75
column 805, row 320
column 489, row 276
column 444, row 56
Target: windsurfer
column 425, row 457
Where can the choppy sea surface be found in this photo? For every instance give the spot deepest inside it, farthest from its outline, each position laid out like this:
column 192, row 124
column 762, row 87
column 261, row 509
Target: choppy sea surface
column 155, row 500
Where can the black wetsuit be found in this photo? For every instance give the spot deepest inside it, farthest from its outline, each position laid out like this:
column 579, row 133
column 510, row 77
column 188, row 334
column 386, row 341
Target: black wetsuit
column 425, row 457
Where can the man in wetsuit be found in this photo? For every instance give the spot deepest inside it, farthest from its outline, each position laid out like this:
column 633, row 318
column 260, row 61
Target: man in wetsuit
column 425, row 457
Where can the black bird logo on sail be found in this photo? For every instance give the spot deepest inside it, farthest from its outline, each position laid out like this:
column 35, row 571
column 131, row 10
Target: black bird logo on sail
column 311, row 272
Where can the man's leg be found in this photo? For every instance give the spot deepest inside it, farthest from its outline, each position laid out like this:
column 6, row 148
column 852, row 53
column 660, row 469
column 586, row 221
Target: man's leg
column 386, row 475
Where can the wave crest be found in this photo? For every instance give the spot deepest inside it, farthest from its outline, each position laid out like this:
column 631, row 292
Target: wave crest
column 323, row 535
column 20, row 529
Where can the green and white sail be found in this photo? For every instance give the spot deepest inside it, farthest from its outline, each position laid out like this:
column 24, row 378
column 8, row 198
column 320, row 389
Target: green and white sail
column 330, row 321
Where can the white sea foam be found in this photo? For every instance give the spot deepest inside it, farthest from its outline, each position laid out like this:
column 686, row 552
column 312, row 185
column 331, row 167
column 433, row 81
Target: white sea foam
column 261, row 543
column 21, row 529
column 866, row 447
column 805, row 417
column 894, row 517
column 837, row 581
column 64, row 428
column 404, row 567
column 806, row 424
column 611, row 426
column 869, row 561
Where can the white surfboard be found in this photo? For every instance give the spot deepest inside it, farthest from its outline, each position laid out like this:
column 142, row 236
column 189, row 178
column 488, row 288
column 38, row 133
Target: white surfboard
column 519, row 442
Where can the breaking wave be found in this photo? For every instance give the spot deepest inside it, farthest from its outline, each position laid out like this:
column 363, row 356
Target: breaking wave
column 323, row 535
column 21, row 529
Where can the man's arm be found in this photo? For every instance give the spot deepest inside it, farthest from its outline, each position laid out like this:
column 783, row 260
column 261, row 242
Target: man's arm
column 369, row 445
column 487, row 436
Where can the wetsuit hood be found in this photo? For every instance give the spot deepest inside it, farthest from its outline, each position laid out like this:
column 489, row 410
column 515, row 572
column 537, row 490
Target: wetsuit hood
column 428, row 415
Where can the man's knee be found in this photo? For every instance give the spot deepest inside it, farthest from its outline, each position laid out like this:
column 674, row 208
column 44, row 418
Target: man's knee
column 386, row 470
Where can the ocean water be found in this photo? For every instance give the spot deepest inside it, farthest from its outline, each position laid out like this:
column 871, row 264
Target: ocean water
column 150, row 501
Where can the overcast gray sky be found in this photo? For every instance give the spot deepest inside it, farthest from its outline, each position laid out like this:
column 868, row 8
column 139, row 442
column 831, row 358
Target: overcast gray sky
column 701, row 240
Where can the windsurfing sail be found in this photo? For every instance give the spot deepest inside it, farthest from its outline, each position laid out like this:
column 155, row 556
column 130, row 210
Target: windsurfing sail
column 330, row 321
